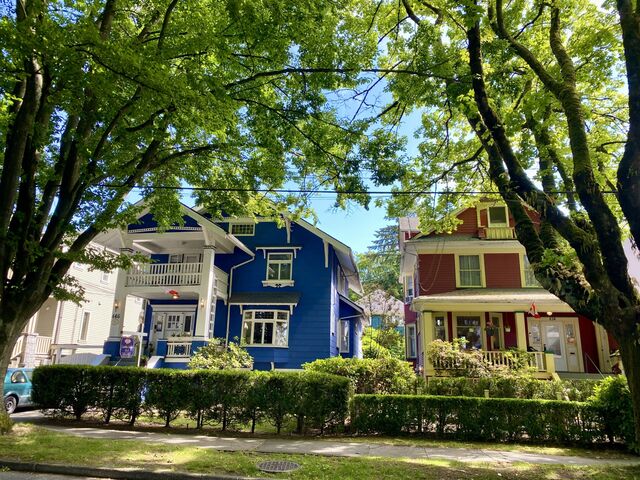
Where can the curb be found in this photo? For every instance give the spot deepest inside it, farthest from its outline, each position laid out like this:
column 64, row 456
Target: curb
column 112, row 473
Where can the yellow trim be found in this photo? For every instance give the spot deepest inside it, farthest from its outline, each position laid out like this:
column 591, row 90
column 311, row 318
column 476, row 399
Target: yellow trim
column 506, row 212
column 447, row 336
column 483, row 282
column 523, row 276
column 500, row 330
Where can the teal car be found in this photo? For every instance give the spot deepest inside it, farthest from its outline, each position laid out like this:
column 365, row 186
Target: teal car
column 17, row 388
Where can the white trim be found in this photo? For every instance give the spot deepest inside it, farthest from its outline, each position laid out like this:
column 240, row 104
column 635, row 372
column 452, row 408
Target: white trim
column 411, row 326
column 174, row 308
column 279, row 281
column 342, row 324
column 294, row 250
column 242, row 224
column 451, row 245
column 274, row 321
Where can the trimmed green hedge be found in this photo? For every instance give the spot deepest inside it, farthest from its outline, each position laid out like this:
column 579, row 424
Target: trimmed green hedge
column 224, row 397
column 484, row 419
column 512, row 387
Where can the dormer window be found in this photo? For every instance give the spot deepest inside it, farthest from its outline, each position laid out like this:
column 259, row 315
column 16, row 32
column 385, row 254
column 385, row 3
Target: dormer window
column 498, row 216
column 243, row 229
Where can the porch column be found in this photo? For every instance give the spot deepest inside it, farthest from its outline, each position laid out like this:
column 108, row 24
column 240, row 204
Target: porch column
column 119, row 302
column 521, row 331
column 602, row 344
column 205, row 292
column 427, row 338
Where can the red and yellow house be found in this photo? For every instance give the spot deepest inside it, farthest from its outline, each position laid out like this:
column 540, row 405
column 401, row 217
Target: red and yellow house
column 476, row 283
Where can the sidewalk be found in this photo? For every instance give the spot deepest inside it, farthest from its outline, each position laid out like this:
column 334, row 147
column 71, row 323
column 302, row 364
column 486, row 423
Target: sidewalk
column 338, row 448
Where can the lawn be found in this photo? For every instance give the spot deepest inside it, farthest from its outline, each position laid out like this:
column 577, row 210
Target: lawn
column 185, row 426
column 34, row 444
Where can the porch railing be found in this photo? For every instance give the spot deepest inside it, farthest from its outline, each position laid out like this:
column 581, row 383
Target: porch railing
column 164, row 274
column 534, row 360
column 178, row 349
column 221, row 283
column 31, row 350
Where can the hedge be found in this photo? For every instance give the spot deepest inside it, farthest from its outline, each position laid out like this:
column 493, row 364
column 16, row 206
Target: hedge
column 512, row 387
column 482, row 419
column 224, row 397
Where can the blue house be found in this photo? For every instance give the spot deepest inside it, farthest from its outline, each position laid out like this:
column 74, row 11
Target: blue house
column 280, row 288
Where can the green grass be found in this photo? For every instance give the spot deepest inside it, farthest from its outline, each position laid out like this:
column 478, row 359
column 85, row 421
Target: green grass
column 29, row 443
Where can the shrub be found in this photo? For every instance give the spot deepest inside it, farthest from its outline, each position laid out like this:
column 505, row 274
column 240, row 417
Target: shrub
column 215, row 356
column 511, row 387
column 65, row 389
column 476, row 418
column 168, row 393
column 369, row 375
column 454, row 360
column 225, row 397
column 611, row 400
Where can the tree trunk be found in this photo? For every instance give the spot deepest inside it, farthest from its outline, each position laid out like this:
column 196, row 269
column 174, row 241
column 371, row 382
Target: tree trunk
column 630, row 353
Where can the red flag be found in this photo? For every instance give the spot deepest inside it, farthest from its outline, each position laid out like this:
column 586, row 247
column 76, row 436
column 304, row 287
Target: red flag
column 533, row 311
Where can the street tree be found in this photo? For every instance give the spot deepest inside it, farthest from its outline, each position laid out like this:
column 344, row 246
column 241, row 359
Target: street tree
column 104, row 97
column 379, row 266
column 536, row 103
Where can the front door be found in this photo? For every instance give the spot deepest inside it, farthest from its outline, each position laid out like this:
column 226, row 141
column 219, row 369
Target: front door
column 553, row 342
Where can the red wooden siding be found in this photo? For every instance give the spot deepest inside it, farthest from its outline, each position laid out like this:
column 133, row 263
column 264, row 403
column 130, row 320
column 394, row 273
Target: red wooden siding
column 510, row 338
column 502, row 270
column 409, row 315
column 470, row 222
column 437, row 273
column 589, row 345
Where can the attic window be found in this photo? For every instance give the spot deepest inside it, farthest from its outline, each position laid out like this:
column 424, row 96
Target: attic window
column 498, row 216
column 243, row 229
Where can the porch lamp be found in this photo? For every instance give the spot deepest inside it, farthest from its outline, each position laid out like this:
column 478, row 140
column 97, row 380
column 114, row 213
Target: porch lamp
column 174, row 294
column 115, row 304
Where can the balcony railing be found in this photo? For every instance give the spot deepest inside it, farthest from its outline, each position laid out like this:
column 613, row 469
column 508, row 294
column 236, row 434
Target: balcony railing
column 164, row 274
column 499, row 233
column 31, row 350
column 534, row 360
column 178, row 349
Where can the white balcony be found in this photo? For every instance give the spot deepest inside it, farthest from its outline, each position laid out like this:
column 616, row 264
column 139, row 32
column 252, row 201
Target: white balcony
column 164, row 275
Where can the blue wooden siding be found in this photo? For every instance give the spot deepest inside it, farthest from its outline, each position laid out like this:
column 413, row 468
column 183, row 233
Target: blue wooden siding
column 312, row 323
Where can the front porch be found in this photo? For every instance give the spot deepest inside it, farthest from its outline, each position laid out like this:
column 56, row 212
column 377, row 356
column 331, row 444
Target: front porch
column 496, row 321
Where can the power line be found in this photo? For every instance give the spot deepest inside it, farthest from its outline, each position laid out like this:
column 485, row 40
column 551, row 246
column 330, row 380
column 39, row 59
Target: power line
column 333, row 192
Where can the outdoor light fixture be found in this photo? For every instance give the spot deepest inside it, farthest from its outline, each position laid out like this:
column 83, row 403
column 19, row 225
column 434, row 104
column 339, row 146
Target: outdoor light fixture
column 202, row 303
column 549, row 314
column 174, row 294
column 115, row 304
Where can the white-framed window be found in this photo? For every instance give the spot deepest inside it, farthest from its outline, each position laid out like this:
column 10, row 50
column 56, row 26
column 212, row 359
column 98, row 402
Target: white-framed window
column 470, row 271
column 408, row 288
column 343, row 336
column 469, row 327
column 243, row 229
column 265, row 327
column 411, row 345
column 529, row 277
column 440, row 327
column 84, row 326
column 175, row 258
column 192, row 258
column 498, row 216
column 105, row 277
column 178, row 323
column 279, row 267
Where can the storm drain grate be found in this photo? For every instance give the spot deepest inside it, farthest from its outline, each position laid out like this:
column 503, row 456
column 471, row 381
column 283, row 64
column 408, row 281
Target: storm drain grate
column 278, row 466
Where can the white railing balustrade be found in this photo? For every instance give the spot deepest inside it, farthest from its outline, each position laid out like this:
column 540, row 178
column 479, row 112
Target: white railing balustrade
column 43, row 345
column 536, row 360
column 221, row 283
column 178, row 349
column 164, row 274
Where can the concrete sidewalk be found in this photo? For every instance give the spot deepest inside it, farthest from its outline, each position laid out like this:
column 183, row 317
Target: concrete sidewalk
column 338, row 448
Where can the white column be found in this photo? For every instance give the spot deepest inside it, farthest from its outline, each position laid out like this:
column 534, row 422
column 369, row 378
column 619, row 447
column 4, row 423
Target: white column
column 427, row 338
column 119, row 302
column 521, row 331
column 206, row 307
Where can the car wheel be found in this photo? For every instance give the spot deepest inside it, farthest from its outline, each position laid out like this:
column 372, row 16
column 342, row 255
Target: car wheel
column 10, row 404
